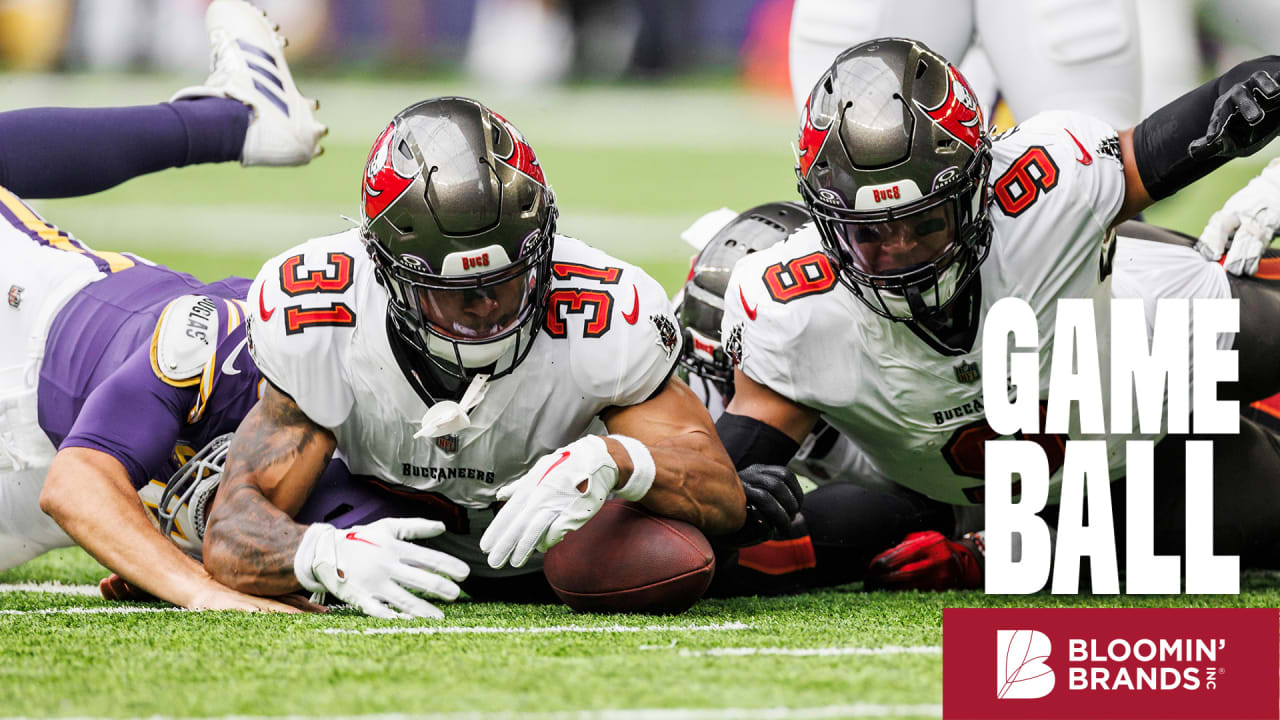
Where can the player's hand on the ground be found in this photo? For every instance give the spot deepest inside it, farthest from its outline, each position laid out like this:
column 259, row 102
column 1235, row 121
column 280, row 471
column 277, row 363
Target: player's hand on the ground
column 773, row 499
column 562, row 491
column 374, row 567
column 928, row 561
column 114, row 587
column 1230, row 136
column 1246, row 224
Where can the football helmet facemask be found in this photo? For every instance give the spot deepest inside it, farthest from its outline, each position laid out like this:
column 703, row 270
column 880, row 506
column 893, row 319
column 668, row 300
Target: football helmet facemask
column 892, row 162
column 460, row 221
column 182, row 508
column 702, row 301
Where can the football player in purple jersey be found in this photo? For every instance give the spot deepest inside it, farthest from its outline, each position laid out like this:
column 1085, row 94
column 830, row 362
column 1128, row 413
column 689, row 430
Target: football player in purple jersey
column 99, row 341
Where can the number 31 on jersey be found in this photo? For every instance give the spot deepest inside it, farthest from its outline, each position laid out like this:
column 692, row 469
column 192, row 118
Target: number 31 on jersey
column 334, row 278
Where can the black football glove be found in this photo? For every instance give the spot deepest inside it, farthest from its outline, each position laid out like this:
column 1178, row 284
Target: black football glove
column 1227, row 136
column 773, row 499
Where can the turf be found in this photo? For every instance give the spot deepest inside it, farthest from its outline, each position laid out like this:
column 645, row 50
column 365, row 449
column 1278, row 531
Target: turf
column 631, row 168
column 213, row 664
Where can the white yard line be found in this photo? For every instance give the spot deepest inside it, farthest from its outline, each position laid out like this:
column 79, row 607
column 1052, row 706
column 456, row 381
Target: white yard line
column 104, row 610
column 547, row 630
column 51, row 587
column 813, row 652
column 822, row 712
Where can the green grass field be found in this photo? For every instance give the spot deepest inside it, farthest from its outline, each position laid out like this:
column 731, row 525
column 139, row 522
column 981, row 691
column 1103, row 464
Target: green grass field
column 631, row 167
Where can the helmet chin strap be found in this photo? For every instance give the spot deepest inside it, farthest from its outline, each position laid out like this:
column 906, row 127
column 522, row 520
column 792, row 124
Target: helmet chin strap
column 448, row 417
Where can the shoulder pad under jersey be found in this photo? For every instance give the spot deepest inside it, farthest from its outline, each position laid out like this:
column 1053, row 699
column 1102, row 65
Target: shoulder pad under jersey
column 184, row 339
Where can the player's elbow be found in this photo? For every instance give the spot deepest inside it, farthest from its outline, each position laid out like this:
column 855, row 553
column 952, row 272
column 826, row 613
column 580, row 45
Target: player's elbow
column 53, row 501
column 57, row 497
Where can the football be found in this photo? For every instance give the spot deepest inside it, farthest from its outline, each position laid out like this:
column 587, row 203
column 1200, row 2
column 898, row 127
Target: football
column 626, row 559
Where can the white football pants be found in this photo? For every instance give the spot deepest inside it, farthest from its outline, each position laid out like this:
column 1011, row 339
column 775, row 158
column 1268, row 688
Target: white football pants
column 1079, row 55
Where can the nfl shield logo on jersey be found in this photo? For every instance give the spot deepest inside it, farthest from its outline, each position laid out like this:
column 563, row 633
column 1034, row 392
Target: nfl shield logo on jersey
column 967, row 372
column 447, row 443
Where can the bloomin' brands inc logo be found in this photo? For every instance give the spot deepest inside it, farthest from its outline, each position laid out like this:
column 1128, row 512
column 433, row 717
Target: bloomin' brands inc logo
column 1021, row 668
column 1067, row 663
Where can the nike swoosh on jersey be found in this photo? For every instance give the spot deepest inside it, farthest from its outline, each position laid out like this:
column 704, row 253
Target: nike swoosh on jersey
column 1085, row 158
column 262, row 305
column 229, row 365
column 563, row 456
column 634, row 315
column 751, row 312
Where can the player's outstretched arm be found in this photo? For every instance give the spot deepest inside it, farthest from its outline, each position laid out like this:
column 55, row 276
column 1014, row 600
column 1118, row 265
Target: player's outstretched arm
column 693, row 478
column 762, row 430
column 662, row 452
column 253, row 544
column 1233, row 115
column 275, row 458
column 89, row 494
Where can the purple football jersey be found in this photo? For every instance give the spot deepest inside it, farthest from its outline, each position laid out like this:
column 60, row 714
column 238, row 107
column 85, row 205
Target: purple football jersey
column 100, row 389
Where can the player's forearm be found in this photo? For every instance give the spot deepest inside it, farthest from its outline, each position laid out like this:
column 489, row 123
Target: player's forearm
column 89, row 495
column 250, row 543
column 694, row 481
column 274, row 460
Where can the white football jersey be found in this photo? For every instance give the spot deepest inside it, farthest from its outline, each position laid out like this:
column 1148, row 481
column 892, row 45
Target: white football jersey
column 323, row 341
column 1057, row 183
column 826, row 455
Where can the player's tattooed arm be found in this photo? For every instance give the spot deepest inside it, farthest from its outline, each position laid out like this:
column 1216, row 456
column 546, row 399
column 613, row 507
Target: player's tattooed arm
column 695, row 480
column 275, row 459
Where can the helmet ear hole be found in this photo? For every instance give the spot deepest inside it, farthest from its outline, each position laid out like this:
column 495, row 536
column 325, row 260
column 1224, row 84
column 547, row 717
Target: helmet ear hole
column 921, row 68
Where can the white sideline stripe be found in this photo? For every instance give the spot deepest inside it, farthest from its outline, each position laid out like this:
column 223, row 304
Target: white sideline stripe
column 51, row 587
column 813, row 652
column 550, row 629
column 822, row 712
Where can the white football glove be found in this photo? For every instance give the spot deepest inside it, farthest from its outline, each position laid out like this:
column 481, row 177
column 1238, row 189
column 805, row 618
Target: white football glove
column 1247, row 223
column 560, row 494
column 372, row 567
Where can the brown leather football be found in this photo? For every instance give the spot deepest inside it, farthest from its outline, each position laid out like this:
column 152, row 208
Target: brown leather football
column 626, row 559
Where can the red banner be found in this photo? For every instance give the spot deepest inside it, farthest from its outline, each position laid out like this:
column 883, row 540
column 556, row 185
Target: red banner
column 1031, row 663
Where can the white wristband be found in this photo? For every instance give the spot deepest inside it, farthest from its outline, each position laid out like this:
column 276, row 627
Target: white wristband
column 304, row 560
column 643, row 470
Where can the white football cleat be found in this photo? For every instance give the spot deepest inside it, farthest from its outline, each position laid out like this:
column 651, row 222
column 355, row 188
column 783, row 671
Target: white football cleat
column 247, row 64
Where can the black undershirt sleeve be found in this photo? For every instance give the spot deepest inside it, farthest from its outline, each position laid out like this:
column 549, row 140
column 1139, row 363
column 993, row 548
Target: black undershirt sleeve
column 1160, row 141
column 751, row 442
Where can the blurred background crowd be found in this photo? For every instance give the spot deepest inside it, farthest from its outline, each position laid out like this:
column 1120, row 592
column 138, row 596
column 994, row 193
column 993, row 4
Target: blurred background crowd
column 531, row 43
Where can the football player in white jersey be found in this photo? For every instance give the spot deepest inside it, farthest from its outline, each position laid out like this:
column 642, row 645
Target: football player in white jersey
column 455, row 345
column 854, row 512
column 870, row 318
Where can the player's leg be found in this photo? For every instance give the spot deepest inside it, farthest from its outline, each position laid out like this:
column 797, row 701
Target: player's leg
column 1258, row 342
column 37, row 278
column 67, row 152
column 1171, row 58
column 247, row 110
column 1246, row 495
column 25, row 531
column 1065, row 55
column 841, row 527
column 822, row 29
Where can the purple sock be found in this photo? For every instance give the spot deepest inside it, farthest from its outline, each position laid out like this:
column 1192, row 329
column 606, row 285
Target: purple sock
column 67, row 152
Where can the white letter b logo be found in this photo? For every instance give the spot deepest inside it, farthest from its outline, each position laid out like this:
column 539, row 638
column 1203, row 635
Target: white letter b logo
column 1021, row 671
